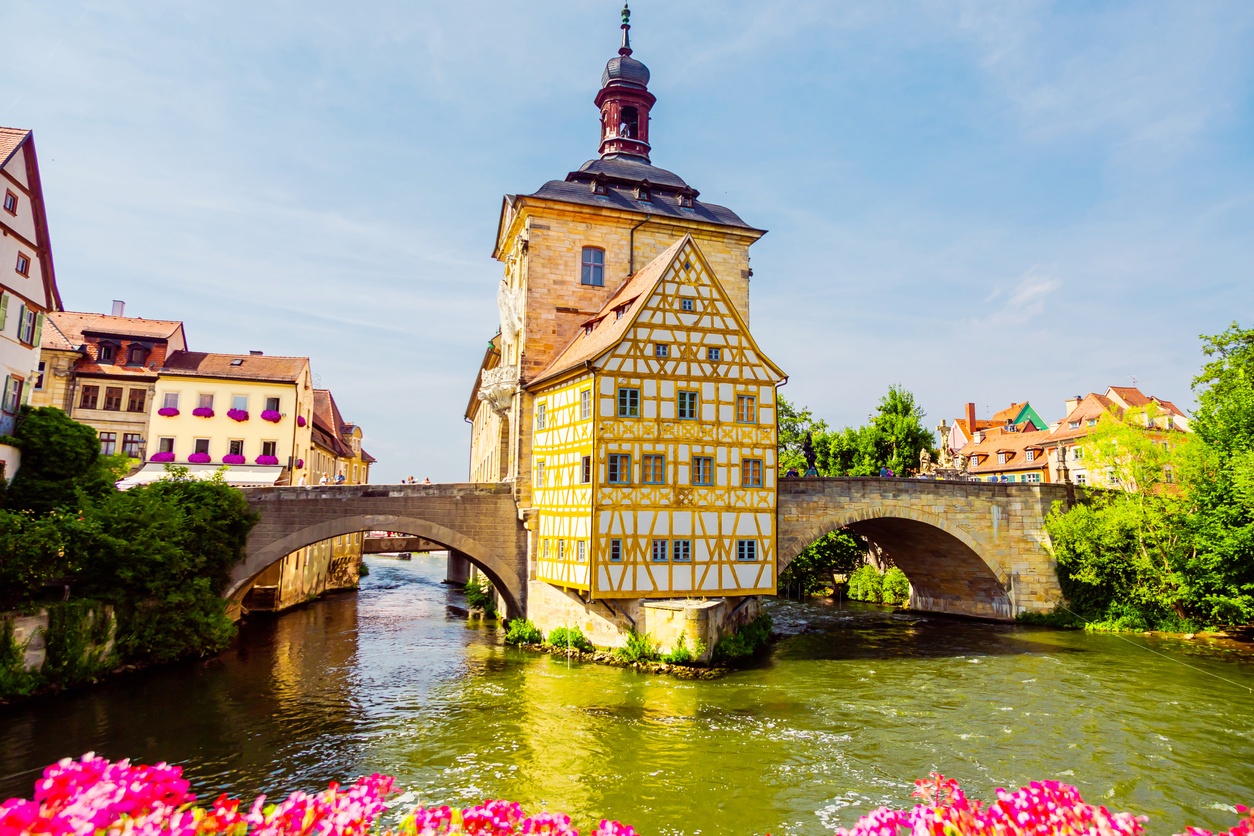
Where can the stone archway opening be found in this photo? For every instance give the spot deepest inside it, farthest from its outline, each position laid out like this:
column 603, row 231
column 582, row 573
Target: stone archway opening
column 946, row 572
column 476, row 554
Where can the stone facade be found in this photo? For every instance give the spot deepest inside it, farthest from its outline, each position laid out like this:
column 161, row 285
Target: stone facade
column 968, row 548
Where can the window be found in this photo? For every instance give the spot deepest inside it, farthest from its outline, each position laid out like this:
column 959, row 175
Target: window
column 1168, row 476
column 702, row 470
column 653, row 470
column 585, row 470
column 170, row 400
column 201, row 445
column 1032, row 477
column 108, row 444
column 746, row 550
column 540, row 473
column 1081, row 479
column 10, row 202
column 23, row 264
column 628, row 403
column 136, row 399
column 206, row 402
column 130, row 444
column 581, row 551
column 240, row 402
column 661, row 350
column 687, row 405
column 39, row 375
column 238, row 361
column 1077, row 452
column 269, row 448
column 135, row 355
column 619, row 469
column 165, row 445
column 12, row 395
column 272, row 404
column 87, row 400
column 541, row 416
column 746, row 409
column 681, row 551
column 104, row 354
column 27, row 325
column 751, row 473
column 1030, row 455
column 592, row 264
column 713, row 354
column 113, row 398
column 585, row 404
column 685, row 304
column 616, row 550
column 1001, row 458
column 1092, row 422
column 235, row 447
column 659, row 549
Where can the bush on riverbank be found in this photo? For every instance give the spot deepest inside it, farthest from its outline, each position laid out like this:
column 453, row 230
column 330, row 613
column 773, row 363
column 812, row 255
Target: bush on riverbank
column 480, row 595
column 681, row 654
column 160, row 555
column 569, row 637
column 866, row 584
column 746, row 641
column 1172, row 547
column 896, row 588
column 522, row 631
column 640, row 647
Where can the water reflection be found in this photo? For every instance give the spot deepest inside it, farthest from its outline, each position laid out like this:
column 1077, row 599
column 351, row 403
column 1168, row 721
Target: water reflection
column 843, row 715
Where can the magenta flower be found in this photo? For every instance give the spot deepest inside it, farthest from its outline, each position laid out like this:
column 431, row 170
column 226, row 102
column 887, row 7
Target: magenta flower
column 300, row 420
column 168, row 411
column 237, row 414
column 300, row 463
column 199, row 458
column 202, row 412
column 267, row 460
column 233, row 458
column 161, row 457
column 271, row 415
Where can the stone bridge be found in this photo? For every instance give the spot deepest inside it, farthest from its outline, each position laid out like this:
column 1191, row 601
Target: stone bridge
column 478, row 522
column 968, row 548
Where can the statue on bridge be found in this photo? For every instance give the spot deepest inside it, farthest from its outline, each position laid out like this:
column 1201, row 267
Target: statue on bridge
column 807, row 450
column 926, row 468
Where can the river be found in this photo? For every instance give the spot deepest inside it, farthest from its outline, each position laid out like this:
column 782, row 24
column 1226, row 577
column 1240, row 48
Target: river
column 838, row 719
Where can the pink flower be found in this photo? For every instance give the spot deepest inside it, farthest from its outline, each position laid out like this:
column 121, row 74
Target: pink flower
column 168, row 411
column 271, row 415
column 200, row 458
column 267, row 460
column 161, row 457
column 237, row 414
column 202, row 412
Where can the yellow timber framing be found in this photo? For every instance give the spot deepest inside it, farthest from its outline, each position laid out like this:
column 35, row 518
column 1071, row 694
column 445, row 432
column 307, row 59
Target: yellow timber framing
column 712, row 519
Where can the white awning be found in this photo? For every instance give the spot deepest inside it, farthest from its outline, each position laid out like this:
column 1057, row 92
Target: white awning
column 239, row 475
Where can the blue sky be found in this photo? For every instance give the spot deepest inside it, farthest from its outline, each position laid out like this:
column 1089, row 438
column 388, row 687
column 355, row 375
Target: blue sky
column 979, row 201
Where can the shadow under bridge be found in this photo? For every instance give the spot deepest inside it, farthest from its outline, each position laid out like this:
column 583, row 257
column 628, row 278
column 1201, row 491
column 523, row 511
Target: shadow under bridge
column 477, row 521
column 967, row 548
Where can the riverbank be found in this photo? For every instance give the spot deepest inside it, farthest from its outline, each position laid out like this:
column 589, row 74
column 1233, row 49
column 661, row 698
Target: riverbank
column 609, row 658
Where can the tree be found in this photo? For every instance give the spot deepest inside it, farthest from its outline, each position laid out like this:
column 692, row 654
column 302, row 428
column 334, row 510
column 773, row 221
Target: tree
column 810, row 572
column 795, row 423
column 898, row 432
column 61, row 462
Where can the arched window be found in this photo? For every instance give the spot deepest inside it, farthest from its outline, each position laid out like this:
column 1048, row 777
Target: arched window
column 593, row 267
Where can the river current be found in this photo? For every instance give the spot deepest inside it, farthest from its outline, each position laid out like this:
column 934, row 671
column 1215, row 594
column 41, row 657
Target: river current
column 842, row 716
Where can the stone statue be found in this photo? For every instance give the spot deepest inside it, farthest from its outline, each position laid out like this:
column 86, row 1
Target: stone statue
column 509, row 302
column 807, row 450
column 926, row 468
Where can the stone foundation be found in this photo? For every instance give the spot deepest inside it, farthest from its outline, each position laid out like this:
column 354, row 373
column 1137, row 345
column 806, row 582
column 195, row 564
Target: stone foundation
column 607, row 622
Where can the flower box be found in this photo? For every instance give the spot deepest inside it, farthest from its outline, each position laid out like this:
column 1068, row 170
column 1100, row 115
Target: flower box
column 271, row 415
column 300, row 463
column 168, row 411
column 161, row 457
column 300, row 420
column 233, row 458
column 237, row 414
column 200, row 458
column 202, row 412
column 267, row 460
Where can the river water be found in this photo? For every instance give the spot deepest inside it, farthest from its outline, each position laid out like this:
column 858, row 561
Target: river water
column 839, row 718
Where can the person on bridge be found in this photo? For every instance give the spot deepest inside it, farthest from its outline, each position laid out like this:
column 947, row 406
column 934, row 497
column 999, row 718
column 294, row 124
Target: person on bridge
column 792, row 473
column 811, row 471
column 426, row 480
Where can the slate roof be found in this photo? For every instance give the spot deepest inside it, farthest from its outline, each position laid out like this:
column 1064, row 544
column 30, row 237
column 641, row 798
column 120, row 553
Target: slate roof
column 622, row 175
column 260, row 367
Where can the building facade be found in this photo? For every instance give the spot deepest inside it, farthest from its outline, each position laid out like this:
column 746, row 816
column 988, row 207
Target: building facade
column 28, row 284
column 102, row 371
column 624, row 396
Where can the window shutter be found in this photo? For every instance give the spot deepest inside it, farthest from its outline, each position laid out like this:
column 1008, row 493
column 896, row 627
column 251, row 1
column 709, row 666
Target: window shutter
column 4, row 394
column 21, row 319
column 39, row 329
column 4, row 309
column 26, row 387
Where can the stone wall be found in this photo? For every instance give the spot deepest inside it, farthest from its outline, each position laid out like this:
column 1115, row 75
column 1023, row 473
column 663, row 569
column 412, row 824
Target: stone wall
column 30, row 634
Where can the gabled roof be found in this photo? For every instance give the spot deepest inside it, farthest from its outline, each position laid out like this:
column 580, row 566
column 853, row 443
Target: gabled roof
column 1008, row 414
column 1014, row 445
column 74, row 325
column 11, row 141
column 54, row 339
column 328, row 425
column 259, row 367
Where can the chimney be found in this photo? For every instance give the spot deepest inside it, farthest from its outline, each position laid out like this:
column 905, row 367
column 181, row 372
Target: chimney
column 1072, row 403
column 119, row 307
column 255, row 353
column 971, row 417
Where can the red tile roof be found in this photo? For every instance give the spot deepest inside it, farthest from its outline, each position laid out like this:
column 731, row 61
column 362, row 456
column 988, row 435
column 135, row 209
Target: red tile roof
column 260, row 367
column 1015, row 446
column 73, row 325
column 10, row 140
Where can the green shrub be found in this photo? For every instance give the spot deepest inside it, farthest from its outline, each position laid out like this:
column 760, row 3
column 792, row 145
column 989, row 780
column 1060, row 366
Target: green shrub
column 480, row 595
column 746, row 641
column 15, row 680
column 681, row 655
column 1057, row 617
column 866, row 584
column 522, row 631
column 569, row 637
column 75, row 639
column 896, row 588
column 363, row 570
column 640, row 647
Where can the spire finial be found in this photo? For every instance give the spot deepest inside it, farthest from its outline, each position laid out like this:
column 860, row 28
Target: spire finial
column 625, row 49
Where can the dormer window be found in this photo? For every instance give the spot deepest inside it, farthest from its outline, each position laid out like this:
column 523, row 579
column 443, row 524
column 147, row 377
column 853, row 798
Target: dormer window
column 135, row 355
column 600, row 185
column 1075, row 425
column 588, row 328
column 644, row 192
column 685, row 199
column 104, row 354
column 1030, row 455
column 618, row 312
column 1001, row 458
